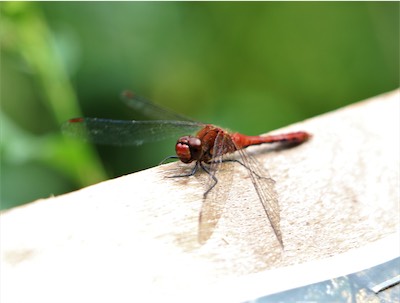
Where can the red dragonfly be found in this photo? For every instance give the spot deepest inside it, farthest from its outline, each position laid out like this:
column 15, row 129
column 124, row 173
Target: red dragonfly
column 206, row 148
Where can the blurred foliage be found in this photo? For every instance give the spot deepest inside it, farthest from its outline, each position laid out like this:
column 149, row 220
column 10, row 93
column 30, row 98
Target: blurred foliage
column 251, row 67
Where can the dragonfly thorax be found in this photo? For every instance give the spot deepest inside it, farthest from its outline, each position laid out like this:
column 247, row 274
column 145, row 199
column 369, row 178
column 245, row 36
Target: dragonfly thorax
column 188, row 149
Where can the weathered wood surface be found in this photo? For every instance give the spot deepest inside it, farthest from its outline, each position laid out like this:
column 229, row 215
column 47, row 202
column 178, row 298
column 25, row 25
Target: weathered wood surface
column 134, row 238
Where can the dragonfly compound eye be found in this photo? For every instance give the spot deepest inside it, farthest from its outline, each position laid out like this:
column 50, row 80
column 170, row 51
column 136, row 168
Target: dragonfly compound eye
column 188, row 149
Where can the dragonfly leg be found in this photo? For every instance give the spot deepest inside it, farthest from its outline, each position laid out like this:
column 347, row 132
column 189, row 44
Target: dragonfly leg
column 245, row 166
column 194, row 170
column 167, row 158
column 212, row 176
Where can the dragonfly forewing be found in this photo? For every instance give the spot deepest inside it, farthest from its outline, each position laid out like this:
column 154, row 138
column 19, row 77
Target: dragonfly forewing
column 127, row 132
column 217, row 191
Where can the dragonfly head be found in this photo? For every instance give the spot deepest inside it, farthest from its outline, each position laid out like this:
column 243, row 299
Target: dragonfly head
column 188, row 149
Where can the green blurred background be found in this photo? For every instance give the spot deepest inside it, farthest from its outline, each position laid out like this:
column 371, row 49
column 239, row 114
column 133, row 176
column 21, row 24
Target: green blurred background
column 251, row 67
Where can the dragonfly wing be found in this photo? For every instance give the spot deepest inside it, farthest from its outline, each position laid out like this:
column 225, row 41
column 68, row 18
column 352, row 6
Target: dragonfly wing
column 216, row 196
column 125, row 132
column 264, row 186
column 149, row 108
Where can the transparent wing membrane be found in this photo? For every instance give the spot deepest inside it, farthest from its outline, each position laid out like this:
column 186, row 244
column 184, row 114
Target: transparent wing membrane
column 264, row 186
column 150, row 109
column 216, row 192
column 127, row 132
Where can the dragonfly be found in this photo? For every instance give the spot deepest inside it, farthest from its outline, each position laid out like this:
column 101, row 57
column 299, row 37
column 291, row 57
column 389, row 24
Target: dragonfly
column 204, row 144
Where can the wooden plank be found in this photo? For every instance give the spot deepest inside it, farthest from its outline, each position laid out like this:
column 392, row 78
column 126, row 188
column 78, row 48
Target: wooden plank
column 134, row 238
